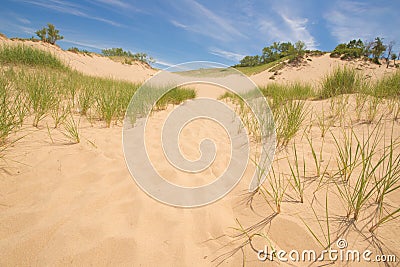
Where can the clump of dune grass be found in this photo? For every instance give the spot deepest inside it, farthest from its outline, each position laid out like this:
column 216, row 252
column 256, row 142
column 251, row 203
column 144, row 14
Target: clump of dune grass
column 26, row 55
column 324, row 123
column 71, row 127
column 361, row 100
column 12, row 109
column 348, row 155
column 85, row 99
column 317, row 157
column 275, row 189
column 393, row 107
column 297, row 174
column 358, row 191
column 338, row 108
column 107, row 105
column 343, row 80
column 291, row 91
column 387, row 87
column 175, row 97
column 41, row 97
column 288, row 117
column 373, row 109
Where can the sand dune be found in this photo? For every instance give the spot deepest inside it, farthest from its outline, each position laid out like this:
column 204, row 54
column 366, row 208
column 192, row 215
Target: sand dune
column 93, row 64
column 64, row 204
column 319, row 66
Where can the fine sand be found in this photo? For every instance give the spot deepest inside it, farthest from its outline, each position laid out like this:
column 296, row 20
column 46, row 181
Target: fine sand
column 314, row 69
column 76, row 204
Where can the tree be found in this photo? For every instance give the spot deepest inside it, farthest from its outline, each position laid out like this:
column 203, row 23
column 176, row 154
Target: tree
column 377, row 49
column 389, row 52
column 299, row 46
column 42, row 34
column 50, row 34
column 394, row 56
column 353, row 49
column 53, row 34
column 367, row 49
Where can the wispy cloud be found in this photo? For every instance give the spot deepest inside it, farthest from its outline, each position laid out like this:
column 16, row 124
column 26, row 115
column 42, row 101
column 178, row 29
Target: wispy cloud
column 116, row 3
column 226, row 54
column 299, row 31
column 287, row 25
column 122, row 7
column 23, row 20
column 353, row 19
column 6, row 25
column 69, row 8
column 178, row 24
column 199, row 19
column 164, row 63
column 88, row 44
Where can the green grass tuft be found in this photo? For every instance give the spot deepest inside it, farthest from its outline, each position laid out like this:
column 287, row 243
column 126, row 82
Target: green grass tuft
column 341, row 81
column 28, row 56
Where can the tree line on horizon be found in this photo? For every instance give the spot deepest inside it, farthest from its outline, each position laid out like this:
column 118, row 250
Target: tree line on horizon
column 275, row 52
column 369, row 50
column 119, row 52
column 373, row 50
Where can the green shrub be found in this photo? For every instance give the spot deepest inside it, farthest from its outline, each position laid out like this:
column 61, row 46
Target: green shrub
column 119, row 52
column 50, row 34
column 353, row 49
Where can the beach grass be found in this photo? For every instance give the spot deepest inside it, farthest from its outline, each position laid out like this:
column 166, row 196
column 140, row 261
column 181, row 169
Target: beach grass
column 342, row 80
column 28, row 56
column 52, row 88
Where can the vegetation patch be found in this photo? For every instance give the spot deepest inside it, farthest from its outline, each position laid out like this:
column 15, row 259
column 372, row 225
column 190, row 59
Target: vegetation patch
column 25, row 55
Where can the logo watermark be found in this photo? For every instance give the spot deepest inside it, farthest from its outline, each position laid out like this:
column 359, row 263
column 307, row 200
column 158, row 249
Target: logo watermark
column 342, row 254
column 139, row 110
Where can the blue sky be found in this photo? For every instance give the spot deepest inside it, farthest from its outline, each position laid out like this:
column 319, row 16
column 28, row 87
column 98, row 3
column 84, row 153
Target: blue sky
column 186, row 30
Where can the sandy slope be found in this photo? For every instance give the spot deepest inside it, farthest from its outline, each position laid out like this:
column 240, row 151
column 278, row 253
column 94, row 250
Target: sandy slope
column 64, row 204
column 313, row 71
column 94, row 64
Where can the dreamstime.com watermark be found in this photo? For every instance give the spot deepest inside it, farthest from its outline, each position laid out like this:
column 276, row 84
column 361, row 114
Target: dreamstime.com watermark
column 342, row 254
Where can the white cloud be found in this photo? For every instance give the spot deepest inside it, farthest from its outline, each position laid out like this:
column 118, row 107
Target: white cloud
column 292, row 29
column 23, row 20
column 69, row 8
column 201, row 20
column 116, row 3
column 87, row 44
column 164, row 63
column 352, row 20
column 299, row 31
column 226, row 54
column 179, row 25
